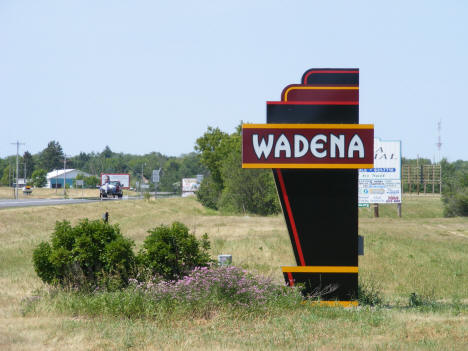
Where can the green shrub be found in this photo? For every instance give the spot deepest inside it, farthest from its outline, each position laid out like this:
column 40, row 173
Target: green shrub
column 369, row 293
column 89, row 254
column 209, row 192
column 456, row 203
column 172, row 252
column 42, row 263
column 418, row 300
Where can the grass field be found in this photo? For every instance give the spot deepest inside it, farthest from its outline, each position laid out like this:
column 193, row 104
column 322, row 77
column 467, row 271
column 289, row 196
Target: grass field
column 421, row 253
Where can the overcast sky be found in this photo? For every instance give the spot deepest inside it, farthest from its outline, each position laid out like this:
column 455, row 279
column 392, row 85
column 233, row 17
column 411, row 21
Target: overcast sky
column 143, row 76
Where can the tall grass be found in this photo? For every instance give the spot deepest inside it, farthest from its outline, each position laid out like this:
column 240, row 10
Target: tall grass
column 421, row 254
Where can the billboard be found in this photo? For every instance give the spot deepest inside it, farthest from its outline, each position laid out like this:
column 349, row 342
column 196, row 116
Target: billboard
column 123, row 178
column 382, row 184
column 189, row 186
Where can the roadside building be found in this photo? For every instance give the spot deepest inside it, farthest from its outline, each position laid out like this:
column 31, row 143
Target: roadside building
column 56, row 178
column 21, row 182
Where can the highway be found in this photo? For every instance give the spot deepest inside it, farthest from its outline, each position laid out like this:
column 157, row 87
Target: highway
column 7, row 203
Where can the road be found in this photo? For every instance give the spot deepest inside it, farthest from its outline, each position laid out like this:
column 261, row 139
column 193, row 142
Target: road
column 5, row 203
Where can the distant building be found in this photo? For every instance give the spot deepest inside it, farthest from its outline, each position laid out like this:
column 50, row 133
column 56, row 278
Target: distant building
column 56, row 177
column 21, row 182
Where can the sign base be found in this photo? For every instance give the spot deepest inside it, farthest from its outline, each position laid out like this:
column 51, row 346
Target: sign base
column 324, row 282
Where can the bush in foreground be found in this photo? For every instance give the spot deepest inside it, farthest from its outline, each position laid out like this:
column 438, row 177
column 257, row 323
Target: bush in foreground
column 91, row 253
column 171, row 251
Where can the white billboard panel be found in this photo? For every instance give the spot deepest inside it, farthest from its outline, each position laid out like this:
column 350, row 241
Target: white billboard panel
column 382, row 184
column 190, row 184
column 123, row 178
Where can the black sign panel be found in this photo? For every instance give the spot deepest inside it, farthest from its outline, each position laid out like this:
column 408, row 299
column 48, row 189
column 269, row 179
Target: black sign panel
column 321, row 206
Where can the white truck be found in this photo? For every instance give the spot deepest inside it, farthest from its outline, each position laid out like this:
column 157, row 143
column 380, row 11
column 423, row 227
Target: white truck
column 113, row 189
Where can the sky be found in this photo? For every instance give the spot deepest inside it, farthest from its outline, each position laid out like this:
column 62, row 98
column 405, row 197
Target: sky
column 144, row 76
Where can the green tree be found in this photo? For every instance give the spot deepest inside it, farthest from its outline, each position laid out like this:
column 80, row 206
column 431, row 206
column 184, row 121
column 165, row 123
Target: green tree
column 52, row 156
column 214, row 146
column 29, row 161
column 229, row 187
column 247, row 190
column 91, row 181
column 7, row 176
column 39, row 178
column 107, row 152
column 190, row 165
column 455, row 188
column 209, row 193
column 170, row 174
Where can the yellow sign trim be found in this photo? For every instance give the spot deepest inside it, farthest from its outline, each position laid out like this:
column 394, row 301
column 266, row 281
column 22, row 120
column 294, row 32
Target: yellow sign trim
column 309, row 166
column 320, row 269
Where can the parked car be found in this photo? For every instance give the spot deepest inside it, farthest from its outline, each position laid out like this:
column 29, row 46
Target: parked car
column 27, row 189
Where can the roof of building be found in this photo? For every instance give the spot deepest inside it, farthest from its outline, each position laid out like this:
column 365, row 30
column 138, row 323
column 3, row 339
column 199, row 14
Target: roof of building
column 59, row 173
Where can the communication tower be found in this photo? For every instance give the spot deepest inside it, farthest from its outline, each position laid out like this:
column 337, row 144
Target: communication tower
column 439, row 140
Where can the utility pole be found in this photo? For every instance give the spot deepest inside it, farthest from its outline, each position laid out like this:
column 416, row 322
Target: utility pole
column 141, row 179
column 64, row 175
column 10, row 177
column 17, row 166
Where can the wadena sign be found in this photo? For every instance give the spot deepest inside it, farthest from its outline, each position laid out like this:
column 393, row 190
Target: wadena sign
column 315, row 145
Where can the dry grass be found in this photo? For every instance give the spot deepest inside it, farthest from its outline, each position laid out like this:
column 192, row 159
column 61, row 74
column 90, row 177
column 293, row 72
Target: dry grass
column 421, row 253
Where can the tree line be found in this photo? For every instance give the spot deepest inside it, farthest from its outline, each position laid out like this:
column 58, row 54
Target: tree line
column 217, row 155
column 231, row 188
column 454, row 184
column 34, row 167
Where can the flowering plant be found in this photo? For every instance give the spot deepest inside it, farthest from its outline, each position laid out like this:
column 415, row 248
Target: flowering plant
column 217, row 284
